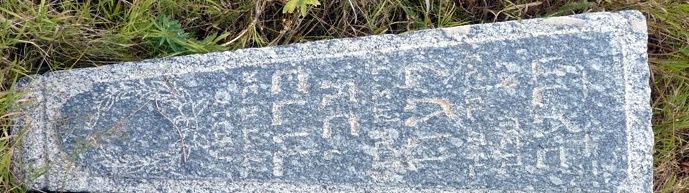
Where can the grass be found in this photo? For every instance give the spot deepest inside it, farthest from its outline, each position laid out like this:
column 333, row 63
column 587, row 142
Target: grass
column 41, row 36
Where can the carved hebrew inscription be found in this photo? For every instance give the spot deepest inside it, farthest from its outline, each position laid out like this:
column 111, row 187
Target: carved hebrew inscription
column 450, row 117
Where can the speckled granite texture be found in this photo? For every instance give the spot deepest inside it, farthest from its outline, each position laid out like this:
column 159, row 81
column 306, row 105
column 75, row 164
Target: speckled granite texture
column 542, row 105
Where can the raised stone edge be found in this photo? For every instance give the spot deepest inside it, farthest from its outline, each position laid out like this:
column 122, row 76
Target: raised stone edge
column 29, row 159
column 637, row 101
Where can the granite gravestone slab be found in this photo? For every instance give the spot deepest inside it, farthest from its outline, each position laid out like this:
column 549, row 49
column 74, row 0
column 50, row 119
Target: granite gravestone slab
column 546, row 105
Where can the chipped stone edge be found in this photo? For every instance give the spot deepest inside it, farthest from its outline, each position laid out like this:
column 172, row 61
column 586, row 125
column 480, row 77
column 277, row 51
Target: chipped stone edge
column 43, row 148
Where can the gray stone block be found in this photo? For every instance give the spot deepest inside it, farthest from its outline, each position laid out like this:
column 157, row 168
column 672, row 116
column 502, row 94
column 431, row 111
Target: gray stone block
column 542, row 105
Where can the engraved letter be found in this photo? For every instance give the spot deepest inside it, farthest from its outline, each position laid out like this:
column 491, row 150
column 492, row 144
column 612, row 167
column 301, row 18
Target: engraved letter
column 280, row 155
column 353, row 125
column 302, row 77
column 278, row 159
column 541, row 155
column 339, row 91
column 444, row 104
column 411, row 75
column 277, row 109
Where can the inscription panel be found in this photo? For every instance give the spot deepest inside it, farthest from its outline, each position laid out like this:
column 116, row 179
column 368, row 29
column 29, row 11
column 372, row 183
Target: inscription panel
column 462, row 116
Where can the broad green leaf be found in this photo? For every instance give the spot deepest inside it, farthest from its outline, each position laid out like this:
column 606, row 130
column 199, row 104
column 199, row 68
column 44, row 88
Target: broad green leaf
column 303, row 6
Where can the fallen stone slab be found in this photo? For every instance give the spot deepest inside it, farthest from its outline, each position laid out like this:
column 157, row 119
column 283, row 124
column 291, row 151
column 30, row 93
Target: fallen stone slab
column 541, row 105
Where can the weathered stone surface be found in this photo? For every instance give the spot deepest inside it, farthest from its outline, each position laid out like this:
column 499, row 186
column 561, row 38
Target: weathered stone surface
column 558, row 104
